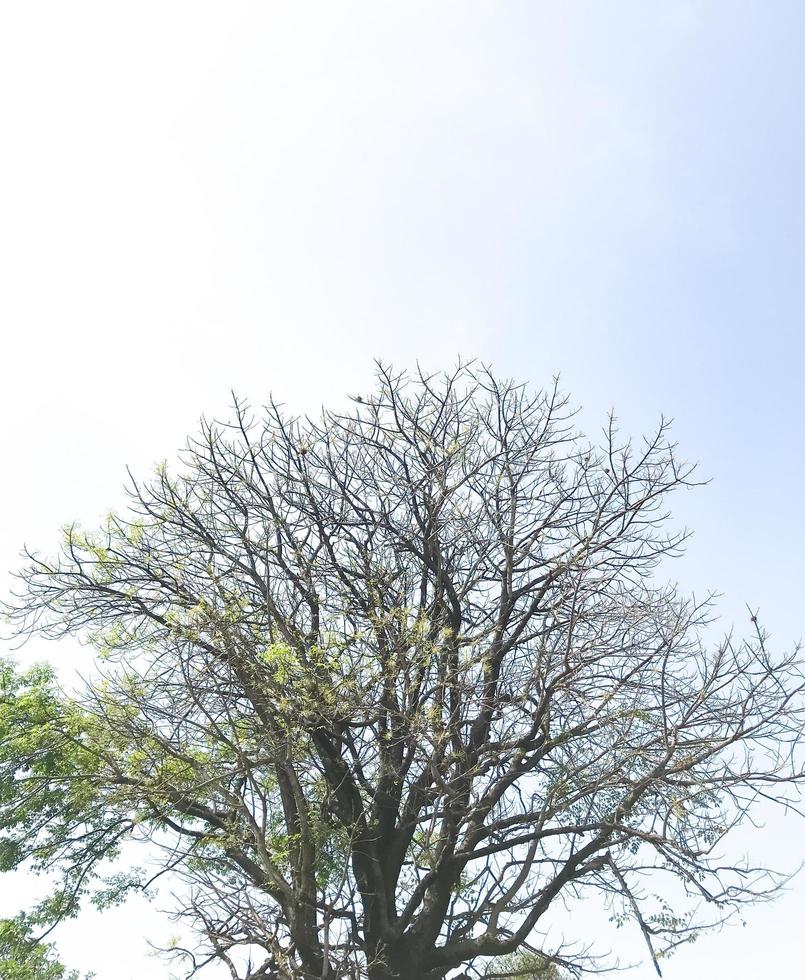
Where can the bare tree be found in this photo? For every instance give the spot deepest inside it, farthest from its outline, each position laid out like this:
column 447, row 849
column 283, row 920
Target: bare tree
column 384, row 686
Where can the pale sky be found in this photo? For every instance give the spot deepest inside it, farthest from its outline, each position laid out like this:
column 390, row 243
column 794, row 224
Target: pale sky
column 199, row 197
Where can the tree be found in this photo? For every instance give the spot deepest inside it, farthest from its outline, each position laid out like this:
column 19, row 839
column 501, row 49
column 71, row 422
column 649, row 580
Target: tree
column 378, row 690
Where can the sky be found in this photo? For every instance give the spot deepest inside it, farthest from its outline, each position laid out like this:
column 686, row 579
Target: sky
column 198, row 197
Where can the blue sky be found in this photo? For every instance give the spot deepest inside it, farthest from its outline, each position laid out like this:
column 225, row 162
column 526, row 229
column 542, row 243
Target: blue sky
column 197, row 197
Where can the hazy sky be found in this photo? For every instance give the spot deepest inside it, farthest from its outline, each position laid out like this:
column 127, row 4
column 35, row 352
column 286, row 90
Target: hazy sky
column 197, row 197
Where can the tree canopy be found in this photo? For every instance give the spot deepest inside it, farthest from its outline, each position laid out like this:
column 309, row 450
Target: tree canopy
column 376, row 690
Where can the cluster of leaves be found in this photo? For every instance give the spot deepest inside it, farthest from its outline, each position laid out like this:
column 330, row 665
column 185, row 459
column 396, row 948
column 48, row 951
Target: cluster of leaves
column 523, row 966
column 23, row 958
column 56, row 814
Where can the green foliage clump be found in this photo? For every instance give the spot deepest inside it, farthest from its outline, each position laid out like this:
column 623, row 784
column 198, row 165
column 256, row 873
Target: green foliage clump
column 54, row 816
column 524, row 966
column 22, row 958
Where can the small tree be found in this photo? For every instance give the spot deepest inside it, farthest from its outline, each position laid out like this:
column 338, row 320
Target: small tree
column 382, row 687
